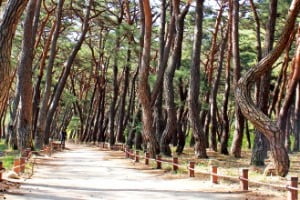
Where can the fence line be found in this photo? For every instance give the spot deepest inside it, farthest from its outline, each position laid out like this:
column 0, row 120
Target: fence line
column 291, row 187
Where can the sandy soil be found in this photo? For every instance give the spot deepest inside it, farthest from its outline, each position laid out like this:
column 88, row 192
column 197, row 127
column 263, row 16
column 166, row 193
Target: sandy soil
column 85, row 173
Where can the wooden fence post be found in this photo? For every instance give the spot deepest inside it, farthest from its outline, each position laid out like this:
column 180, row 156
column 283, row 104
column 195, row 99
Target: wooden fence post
column 126, row 153
column 175, row 163
column 158, row 162
column 28, row 152
column 214, row 177
column 16, row 167
column 191, row 169
column 243, row 182
column 137, row 157
column 146, row 158
column 131, row 154
column 22, row 164
column 292, row 194
column 1, row 168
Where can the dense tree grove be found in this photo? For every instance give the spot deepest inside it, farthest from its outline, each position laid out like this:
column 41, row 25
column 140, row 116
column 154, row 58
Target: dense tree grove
column 153, row 75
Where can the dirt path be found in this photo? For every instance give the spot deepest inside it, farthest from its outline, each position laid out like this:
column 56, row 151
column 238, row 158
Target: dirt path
column 85, row 173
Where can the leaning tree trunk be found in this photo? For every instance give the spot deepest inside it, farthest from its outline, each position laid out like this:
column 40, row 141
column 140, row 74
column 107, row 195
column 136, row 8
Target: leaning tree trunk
column 213, row 96
column 297, row 119
column 65, row 75
column 284, row 114
column 144, row 88
column 42, row 115
column 200, row 150
column 10, row 18
column 261, row 121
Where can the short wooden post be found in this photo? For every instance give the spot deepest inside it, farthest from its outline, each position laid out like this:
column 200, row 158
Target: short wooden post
column 175, row 163
column 131, row 154
column 191, row 169
column 1, row 168
column 292, row 194
column 214, row 176
column 50, row 149
column 146, row 158
column 244, row 179
column 22, row 164
column 137, row 157
column 126, row 153
column 16, row 167
column 158, row 162
column 28, row 150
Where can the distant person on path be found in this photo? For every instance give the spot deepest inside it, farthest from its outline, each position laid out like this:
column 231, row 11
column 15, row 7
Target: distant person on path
column 63, row 136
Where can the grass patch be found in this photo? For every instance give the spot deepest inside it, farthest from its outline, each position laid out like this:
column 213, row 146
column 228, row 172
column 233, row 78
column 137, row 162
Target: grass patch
column 8, row 155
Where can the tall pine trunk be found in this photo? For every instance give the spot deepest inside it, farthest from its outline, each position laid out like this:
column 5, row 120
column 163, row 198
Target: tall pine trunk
column 143, row 87
column 24, row 75
column 236, row 148
column 200, row 148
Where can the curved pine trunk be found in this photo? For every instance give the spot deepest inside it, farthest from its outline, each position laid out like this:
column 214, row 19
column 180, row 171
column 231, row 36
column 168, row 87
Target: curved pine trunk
column 243, row 97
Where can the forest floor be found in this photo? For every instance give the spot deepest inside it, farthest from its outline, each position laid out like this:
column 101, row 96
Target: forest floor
column 85, row 173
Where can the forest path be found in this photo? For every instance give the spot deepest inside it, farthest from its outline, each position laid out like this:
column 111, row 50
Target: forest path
column 85, row 173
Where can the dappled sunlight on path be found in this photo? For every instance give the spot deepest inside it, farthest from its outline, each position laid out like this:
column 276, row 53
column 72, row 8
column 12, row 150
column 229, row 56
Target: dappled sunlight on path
column 84, row 173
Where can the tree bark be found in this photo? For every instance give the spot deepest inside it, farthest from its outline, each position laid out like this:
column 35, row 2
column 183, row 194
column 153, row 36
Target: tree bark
column 171, row 128
column 297, row 119
column 213, row 96
column 225, row 118
column 112, row 110
column 24, row 75
column 259, row 152
column 200, row 150
column 10, row 18
column 284, row 114
column 42, row 116
column 144, row 88
column 65, row 74
column 158, row 114
column 243, row 97
column 120, row 129
column 236, row 148
column 36, row 89
column 290, row 93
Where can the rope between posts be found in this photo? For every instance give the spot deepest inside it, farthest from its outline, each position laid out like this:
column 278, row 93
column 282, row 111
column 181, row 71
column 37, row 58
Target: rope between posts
column 18, row 166
column 222, row 176
column 265, row 184
column 292, row 188
column 153, row 159
column 177, row 165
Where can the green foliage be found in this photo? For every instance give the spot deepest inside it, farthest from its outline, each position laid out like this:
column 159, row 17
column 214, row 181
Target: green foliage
column 247, row 48
column 74, row 124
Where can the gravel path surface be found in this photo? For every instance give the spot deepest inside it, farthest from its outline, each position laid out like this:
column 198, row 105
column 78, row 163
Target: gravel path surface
column 85, row 173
